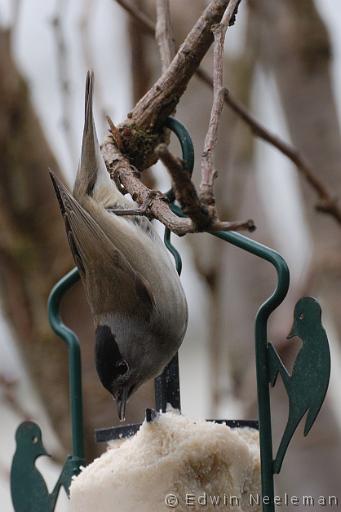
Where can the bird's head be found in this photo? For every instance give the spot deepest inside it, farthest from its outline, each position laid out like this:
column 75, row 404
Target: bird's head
column 307, row 316
column 123, row 362
column 28, row 436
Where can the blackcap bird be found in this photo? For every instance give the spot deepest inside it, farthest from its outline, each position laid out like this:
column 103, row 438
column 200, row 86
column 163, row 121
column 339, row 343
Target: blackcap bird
column 135, row 295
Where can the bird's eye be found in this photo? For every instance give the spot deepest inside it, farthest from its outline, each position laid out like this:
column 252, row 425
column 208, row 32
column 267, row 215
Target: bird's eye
column 122, row 367
column 301, row 317
column 34, row 440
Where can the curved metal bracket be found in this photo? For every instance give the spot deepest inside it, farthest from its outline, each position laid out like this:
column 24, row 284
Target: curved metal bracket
column 75, row 378
column 167, row 385
column 188, row 158
column 261, row 346
column 261, row 341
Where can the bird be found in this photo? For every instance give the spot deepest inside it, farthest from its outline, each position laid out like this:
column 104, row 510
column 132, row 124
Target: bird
column 307, row 385
column 29, row 491
column 135, row 295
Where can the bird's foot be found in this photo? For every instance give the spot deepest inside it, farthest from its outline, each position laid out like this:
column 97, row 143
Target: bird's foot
column 276, row 467
column 144, row 209
column 273, row 364
column 71, row 468
column 126, row 211
column 151, row 196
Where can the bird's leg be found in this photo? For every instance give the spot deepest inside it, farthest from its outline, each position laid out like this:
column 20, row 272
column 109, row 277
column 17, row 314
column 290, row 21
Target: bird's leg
column 71, row 468
column 55, row 493
column 311, row 417
column 273, row 364
column 143, row 209
column 123, row 212
column 276, row 366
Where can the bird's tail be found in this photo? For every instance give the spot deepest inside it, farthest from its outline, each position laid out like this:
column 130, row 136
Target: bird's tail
column 92, row 177
column 311, row 417
column 290, row 428
column 92, row 170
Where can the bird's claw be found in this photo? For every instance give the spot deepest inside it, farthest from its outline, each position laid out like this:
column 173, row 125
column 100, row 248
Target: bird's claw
column 70, row 469
column 143, row 210
column 273, row 365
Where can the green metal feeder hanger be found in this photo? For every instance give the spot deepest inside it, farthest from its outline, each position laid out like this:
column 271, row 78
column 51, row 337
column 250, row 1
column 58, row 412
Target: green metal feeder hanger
column 306, row 386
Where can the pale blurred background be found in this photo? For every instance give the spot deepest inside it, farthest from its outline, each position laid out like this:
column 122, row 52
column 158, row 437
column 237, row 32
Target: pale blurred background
column 283, row 61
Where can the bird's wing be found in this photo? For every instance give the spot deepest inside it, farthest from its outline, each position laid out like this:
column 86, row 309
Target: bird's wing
column 110, row 281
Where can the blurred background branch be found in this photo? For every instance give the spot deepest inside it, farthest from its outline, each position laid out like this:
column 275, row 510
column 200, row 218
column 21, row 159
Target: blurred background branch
column 64, row 78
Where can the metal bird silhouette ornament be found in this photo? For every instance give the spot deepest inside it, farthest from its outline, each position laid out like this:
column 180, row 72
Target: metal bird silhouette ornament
column 135, row 295
column 28, row 488
column 307, row 385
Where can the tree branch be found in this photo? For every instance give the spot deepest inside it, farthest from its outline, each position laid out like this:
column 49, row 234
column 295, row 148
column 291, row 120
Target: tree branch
column 143, row 130
column 327, row 202
column 145, row 126
column 203, row 219
column 188, row 198
column 208, row 170
column 164, row 33
column 122, row 172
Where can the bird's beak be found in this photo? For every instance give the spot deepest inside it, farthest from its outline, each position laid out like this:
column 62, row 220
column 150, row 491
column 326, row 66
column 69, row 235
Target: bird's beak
column 292, row 332
column 42, row 451
column 121, row 401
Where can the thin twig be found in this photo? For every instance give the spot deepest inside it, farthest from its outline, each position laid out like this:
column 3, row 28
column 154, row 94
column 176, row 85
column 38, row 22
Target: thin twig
column 189, row 200
column 87, row 14
column 229, row 17
column 63, row 74
column 145, row 22
column 164, row 33
column 328, row 203
column 9, row 387
column 208, row 170
column 184, row 188
column 165, row 40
